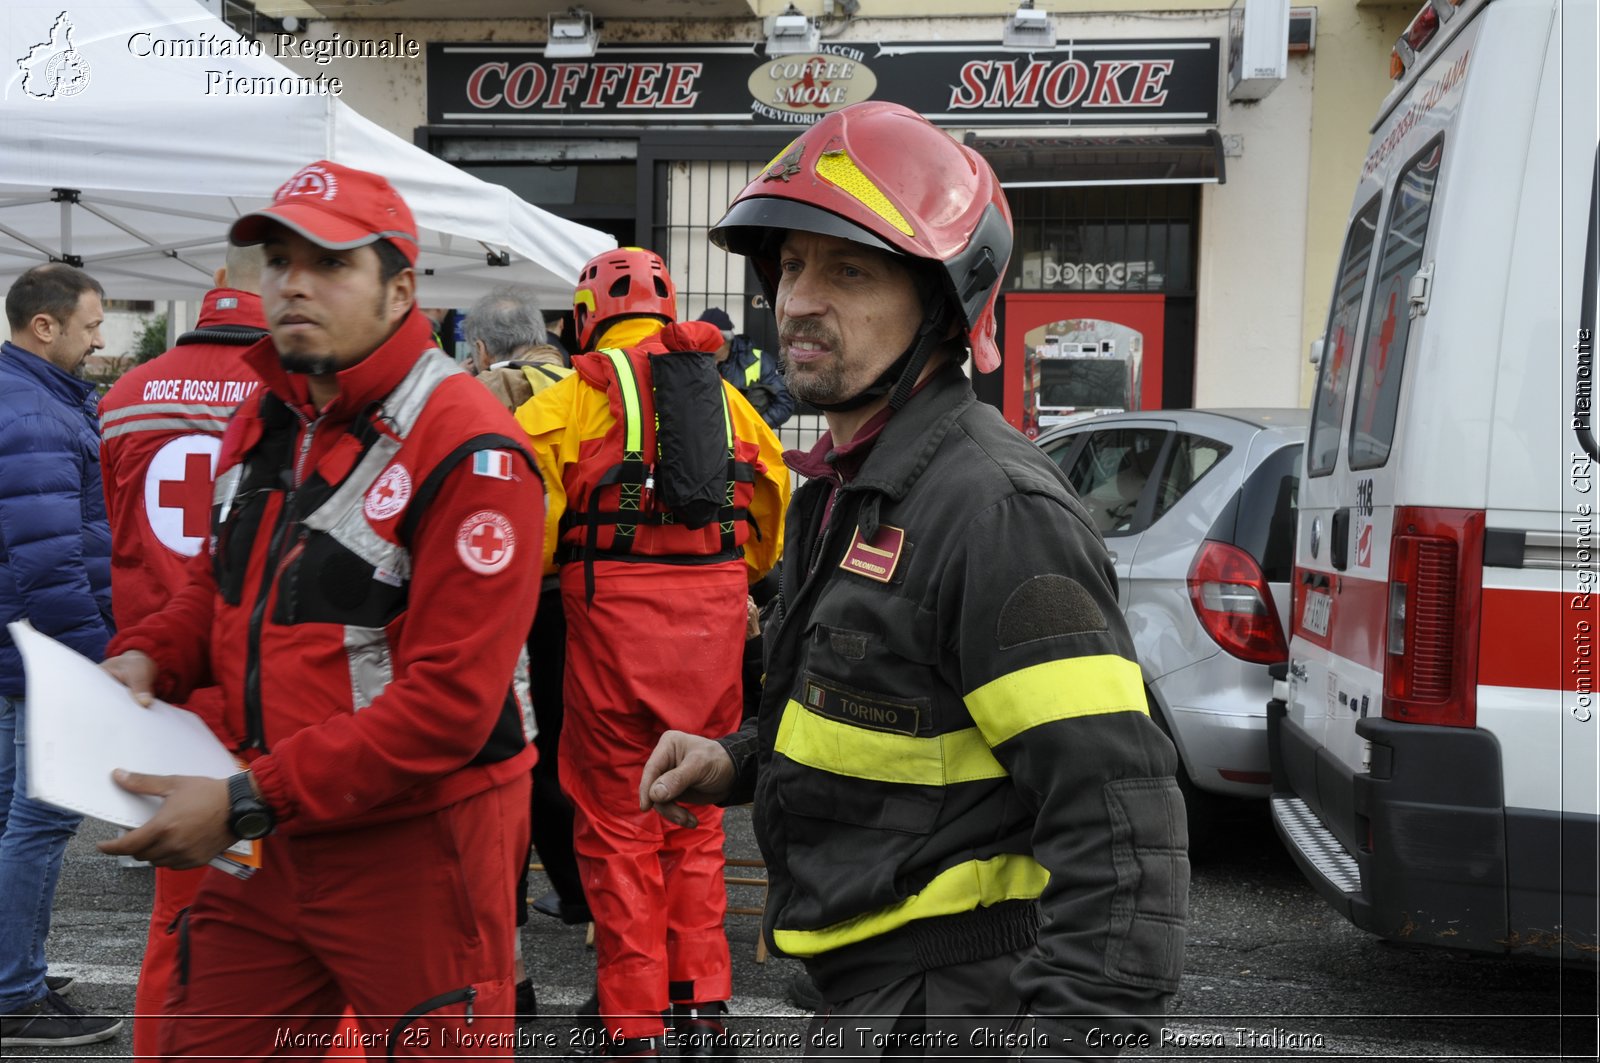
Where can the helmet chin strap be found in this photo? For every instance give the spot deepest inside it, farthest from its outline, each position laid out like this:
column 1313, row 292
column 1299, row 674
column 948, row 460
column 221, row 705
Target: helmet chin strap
column 900, row 378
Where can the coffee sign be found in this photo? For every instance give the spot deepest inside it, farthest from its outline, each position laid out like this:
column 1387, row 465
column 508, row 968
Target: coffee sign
column 971, row 83
column 809, row 85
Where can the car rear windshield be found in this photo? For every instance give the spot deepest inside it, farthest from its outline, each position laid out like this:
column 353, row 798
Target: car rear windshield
column 1261, row 520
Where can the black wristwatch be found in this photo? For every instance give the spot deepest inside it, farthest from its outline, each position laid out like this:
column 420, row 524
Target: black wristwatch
column 248, row 816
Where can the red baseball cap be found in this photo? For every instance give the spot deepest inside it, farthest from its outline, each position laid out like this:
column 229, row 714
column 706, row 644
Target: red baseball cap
column 336, row 207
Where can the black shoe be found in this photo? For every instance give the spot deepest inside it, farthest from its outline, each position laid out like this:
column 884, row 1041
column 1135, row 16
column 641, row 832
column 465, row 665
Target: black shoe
column 552, row 905
column 699, row 1033
column 60, row 984
column 527, row 1002
column 804, row 994
column 52, row 1021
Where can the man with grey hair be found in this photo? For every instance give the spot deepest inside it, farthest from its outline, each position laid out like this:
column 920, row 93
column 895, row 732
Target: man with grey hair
column 506, row 325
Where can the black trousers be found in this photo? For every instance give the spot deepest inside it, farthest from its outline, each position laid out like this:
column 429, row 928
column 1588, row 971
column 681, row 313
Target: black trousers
column 551, row 832
column 963, row 1011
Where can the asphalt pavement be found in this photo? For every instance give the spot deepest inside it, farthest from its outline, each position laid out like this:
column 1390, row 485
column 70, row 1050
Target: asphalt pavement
column 1270, row 971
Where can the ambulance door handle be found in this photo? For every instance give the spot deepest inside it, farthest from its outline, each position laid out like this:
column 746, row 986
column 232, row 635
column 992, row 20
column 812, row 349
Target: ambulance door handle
column 1339, row 538
column 1417, row 292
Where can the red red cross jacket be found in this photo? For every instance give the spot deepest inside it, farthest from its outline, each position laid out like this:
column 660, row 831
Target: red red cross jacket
column 409, row 488
column 161, row 428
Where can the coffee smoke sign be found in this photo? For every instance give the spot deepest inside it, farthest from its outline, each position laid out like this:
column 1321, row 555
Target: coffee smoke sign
column 1087, row 83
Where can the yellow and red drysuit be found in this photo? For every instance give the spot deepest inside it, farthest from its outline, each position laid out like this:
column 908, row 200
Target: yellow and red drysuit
column 655, row 645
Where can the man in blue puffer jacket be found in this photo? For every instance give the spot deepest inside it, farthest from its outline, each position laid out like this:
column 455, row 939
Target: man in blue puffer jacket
column 55, row 572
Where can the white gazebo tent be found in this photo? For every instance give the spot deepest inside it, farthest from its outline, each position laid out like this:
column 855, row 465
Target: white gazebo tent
column 121, row 152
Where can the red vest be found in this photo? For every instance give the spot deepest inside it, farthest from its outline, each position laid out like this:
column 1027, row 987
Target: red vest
column 613, row 512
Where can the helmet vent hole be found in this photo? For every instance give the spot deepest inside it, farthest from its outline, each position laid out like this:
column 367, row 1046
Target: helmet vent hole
column 619, row 288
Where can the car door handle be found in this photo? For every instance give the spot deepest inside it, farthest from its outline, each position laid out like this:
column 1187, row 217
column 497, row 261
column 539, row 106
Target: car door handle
column 1112, row 554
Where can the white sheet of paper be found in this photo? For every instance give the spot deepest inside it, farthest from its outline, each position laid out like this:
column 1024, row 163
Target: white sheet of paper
column 82, row 724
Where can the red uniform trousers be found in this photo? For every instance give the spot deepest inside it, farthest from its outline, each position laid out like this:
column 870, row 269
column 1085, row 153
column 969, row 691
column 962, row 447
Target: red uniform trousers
column 411, row 916
column 175, row 891
column 658, row 649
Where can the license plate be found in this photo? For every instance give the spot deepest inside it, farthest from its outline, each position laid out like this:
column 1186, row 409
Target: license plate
column 1314, row 617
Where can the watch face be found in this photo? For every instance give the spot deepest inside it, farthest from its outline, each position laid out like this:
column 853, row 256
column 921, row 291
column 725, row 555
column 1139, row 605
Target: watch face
column 252, row 825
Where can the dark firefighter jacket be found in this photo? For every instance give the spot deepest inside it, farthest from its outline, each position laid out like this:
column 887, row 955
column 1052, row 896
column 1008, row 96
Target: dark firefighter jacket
column 953, row 746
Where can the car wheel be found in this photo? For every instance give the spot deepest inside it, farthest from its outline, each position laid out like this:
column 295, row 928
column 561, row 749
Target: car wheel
column 1200, row 806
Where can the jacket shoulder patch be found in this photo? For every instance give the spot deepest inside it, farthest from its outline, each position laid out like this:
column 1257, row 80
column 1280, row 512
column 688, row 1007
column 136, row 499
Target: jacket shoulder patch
column 486, row 542
column 1045, row 607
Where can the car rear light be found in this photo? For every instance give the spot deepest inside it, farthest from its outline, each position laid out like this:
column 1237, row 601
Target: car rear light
column 1430, row 665
column 1234, row 604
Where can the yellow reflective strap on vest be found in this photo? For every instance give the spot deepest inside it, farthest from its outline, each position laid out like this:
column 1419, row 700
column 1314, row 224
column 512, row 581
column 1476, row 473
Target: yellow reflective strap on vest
column 1056, row 690
column 963, row 888
column 628, row 385
column 752, row 372
column 727, row 418
column 808, row 738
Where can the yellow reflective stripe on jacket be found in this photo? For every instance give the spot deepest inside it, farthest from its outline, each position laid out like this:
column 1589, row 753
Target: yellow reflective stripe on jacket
column 963, row 888
column 1056, row 690
column 808, row 738
column 752, row 372
column 628, row 385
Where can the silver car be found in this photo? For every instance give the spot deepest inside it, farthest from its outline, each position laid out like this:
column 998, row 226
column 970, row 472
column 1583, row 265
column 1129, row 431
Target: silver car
column 1197, row 510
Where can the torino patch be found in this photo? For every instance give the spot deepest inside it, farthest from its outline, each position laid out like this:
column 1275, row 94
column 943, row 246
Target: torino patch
column 486, row 541
column 389, row 495
column 862, row 708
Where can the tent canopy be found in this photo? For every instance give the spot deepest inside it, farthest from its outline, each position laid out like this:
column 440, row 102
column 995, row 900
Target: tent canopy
column 129, row 151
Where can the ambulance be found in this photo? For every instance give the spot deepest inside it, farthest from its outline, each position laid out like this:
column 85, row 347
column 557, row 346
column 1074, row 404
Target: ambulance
column 1434, row 735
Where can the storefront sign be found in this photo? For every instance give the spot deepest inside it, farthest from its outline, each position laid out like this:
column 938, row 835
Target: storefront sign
column 1078, row 83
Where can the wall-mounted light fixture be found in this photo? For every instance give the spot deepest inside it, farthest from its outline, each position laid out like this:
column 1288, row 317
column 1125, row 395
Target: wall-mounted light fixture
column 571, row 36
column 792, row 33
column 1030, row 29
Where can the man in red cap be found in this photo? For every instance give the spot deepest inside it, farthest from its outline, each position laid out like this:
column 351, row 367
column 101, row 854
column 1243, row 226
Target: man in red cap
column 385, row 790
column 161, row 427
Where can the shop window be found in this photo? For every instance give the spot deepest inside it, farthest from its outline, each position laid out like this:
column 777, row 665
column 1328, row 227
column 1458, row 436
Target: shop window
column 1136, row 238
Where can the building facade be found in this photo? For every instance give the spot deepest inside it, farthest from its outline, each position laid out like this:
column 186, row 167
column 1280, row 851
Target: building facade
column 1174, row 247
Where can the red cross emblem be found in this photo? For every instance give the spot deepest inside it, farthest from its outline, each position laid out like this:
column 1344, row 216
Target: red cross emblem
column 177, row 492
column 191, row 495
column 389, row 495
column 486, row 542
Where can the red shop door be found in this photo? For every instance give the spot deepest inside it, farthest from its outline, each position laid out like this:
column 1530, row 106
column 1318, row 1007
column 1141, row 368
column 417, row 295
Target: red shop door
column 1068, row 356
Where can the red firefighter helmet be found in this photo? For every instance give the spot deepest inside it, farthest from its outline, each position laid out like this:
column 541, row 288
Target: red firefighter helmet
column 627, row 282
column 880, row 174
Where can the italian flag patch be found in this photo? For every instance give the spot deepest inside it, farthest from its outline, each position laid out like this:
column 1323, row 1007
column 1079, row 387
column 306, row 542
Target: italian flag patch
column 495, row 464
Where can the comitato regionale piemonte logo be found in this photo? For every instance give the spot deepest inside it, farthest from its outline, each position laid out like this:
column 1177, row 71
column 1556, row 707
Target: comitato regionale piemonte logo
column 54, row 67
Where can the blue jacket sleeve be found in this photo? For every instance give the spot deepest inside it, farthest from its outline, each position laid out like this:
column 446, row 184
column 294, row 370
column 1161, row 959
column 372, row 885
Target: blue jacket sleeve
column 782, row 405
column 42, row 482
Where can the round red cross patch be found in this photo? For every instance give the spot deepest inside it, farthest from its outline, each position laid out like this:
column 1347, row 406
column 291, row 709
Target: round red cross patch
column 486, row 541
column 389, row 495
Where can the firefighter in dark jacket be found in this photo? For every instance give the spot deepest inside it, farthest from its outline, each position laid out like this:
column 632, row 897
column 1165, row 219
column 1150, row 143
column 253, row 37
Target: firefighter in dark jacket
column 970, row 824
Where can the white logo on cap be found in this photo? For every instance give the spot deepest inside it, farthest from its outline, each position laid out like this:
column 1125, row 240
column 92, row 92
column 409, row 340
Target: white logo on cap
column 311, row 181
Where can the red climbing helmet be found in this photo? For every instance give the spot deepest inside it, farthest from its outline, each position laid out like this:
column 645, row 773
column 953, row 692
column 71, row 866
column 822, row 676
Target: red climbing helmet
column 627, row 282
